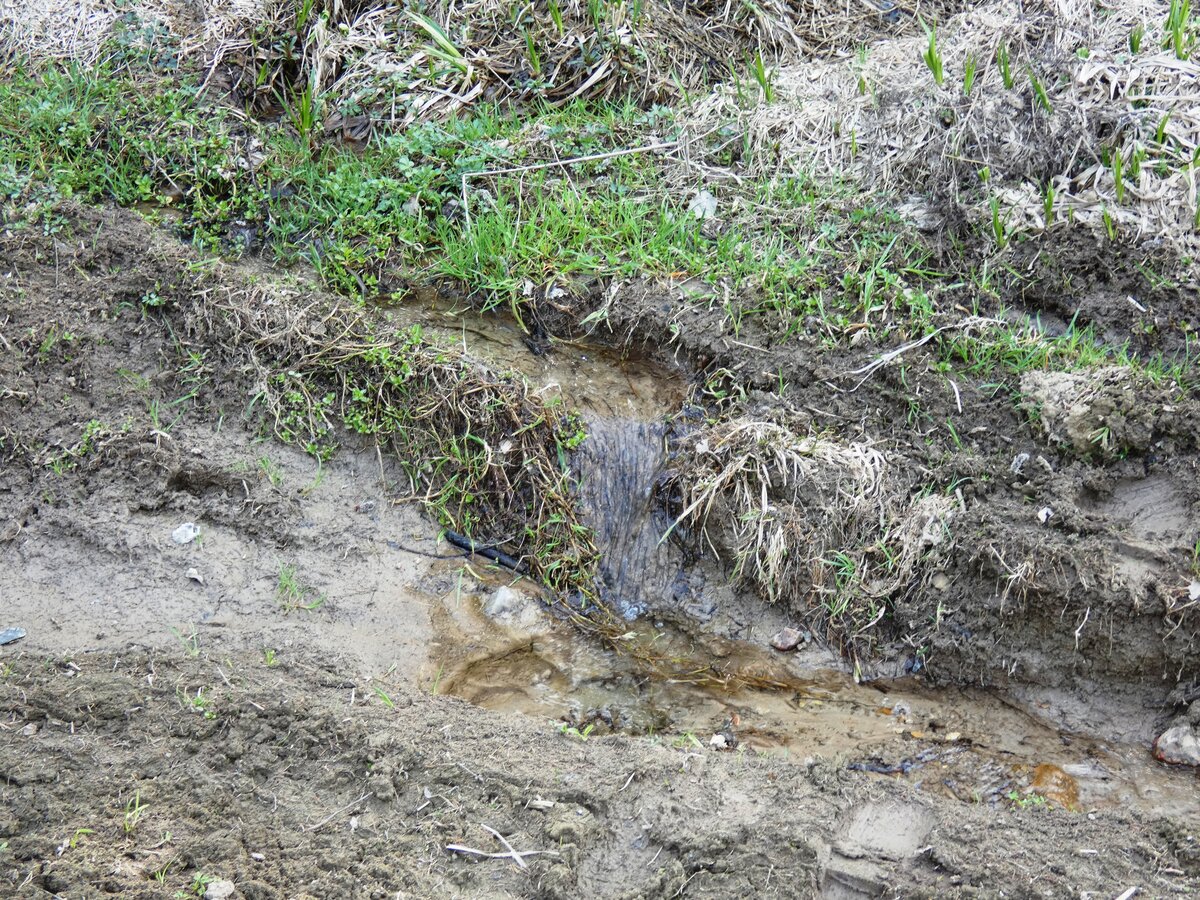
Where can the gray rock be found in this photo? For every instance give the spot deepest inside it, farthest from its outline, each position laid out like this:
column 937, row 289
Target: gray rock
column 787, row 639
column 514, row 609
column 504, row 603
column 185, row 533
column 1179, row 744
column 220, row 890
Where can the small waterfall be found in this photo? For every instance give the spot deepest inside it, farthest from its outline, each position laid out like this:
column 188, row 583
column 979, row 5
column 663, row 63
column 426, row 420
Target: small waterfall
column 619, row 465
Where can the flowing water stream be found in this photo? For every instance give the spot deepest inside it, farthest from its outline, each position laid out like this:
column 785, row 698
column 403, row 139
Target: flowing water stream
column 497, row 647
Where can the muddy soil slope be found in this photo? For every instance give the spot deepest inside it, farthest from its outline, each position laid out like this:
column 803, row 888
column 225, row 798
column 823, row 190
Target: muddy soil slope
column 242, row 706
column 297, row 781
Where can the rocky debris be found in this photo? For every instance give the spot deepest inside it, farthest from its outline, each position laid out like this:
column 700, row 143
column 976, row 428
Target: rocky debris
column 220, row 890
column 725, row 739
column 185, row 533
column 1180, row 743
column 721, row 741
column 517, row 610
column 789, row 639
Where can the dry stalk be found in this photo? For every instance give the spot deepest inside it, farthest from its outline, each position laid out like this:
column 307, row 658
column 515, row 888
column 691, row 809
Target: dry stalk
column 809, row 521
column 881, row 120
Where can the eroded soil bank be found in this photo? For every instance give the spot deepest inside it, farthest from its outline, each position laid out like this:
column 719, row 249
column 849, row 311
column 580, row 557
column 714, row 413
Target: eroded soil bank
column 266, row 703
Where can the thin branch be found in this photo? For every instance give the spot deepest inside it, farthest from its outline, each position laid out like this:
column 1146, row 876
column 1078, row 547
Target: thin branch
column 563, row 163
column 334, row 815
column 507, row 846
column 459, row 848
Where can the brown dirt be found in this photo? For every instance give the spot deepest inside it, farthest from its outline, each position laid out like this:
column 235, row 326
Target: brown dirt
column 348, row 779
column 302, row 783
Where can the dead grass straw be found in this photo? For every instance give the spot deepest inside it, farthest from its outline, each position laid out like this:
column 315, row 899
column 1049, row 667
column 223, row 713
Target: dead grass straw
column 398, row 62
column 812, row 522
column 1063, row 123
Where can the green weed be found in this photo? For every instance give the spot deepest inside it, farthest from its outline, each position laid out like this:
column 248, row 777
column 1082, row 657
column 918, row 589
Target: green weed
column 1135, row 38
column 200, row 702
column 271, row 470
column 1110, row 225
column 190, row 642
column 1118, row 170
column 1005, row 65
column 969, row 70
column 932, row 56
column 1039, row 91
column 1027, row 801
column 1180, row 29
column 576, row 733
column 765, row 78
column 999, row 227
column 135, row 809
column 293, row 594
column 198, row 887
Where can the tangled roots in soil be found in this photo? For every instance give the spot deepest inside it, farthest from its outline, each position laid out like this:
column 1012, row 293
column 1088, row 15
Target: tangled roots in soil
column 814, row 523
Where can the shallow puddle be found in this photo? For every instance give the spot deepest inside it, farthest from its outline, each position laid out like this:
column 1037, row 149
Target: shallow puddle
column 498, row 648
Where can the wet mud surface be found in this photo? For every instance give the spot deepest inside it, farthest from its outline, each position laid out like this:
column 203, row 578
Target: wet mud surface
column 314, row 697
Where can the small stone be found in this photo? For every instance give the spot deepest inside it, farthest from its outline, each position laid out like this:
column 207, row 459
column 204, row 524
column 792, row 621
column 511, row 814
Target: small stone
column 718, row 742
column 220, row 890
column 258, row 857
column 1179, row 744
column 1194, row 591
column 194, row 575
column 940, row 582
column 787, row 639
column 516, row 610
column 29, row 730
column 185, row 533
column 1044, row 514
